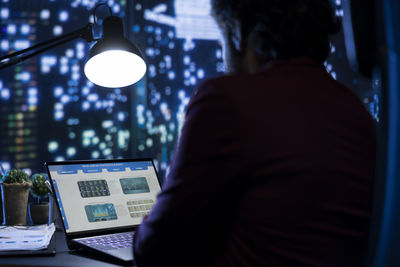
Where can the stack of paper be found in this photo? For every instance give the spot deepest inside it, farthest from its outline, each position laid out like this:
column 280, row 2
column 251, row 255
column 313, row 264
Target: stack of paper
column 26, row 237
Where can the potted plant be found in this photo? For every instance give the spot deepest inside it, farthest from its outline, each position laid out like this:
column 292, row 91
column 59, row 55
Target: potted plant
column 15, row 186
column 40, row 210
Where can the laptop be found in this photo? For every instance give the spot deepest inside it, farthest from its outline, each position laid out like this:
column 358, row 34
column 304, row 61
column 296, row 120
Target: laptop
column 102, row 202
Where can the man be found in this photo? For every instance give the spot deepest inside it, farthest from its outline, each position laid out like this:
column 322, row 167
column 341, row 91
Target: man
column 275, row 164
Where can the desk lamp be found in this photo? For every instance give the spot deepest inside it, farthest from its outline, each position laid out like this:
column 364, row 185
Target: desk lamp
column 113, row 61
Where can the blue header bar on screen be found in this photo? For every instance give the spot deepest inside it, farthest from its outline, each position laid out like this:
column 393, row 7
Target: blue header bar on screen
column 99, row 167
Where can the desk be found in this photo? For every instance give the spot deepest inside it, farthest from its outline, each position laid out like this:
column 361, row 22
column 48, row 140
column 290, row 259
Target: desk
column 63, row 257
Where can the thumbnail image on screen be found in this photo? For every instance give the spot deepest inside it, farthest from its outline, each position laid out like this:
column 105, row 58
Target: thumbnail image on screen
column 134, row 185
column 100, row 212
column 140, row 208
column 93, row 188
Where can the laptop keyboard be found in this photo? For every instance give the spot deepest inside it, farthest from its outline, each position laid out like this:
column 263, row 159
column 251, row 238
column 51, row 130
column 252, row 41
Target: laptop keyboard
column 109, row 242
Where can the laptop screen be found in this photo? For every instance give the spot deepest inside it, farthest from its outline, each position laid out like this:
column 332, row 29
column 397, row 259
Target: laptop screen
column 103, row 195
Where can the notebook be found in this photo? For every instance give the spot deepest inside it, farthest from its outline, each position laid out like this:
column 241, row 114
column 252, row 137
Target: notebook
column 101, row 202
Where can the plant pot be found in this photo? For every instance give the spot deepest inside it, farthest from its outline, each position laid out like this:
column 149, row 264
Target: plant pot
column 39, row 213
column 15, row 203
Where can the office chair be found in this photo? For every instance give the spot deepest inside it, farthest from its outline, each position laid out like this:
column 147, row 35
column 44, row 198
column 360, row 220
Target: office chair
column 372, row 39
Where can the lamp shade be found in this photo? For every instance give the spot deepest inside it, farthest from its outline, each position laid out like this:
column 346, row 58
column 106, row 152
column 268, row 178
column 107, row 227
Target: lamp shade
column 114, row 61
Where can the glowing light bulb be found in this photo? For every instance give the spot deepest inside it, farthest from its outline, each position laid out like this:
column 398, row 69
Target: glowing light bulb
column 115, row 68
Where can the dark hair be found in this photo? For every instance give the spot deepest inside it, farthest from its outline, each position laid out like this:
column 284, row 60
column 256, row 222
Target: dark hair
column 283, row 28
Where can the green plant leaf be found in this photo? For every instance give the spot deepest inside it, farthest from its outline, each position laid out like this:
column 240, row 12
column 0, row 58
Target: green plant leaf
column 15, row 176
column 39, row 188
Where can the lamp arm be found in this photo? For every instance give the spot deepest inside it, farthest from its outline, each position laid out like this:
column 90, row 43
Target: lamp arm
column 15, row 58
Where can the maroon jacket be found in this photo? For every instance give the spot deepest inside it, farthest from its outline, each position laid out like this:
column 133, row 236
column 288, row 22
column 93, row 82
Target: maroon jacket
column 272, row 169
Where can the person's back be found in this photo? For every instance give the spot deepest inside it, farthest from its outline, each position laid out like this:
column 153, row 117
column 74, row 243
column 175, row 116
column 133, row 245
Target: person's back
column 307, row 157
column 275, row 162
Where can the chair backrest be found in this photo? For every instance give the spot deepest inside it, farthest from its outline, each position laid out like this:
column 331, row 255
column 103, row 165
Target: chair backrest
column 372, row 40
column 359, row 32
